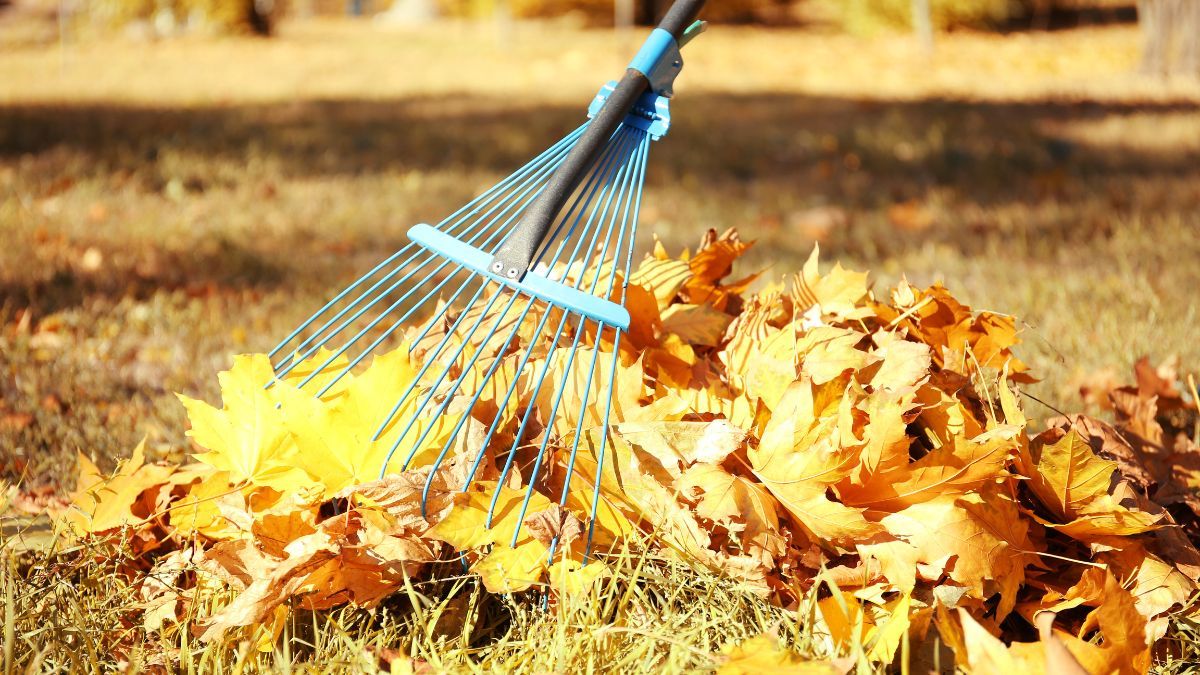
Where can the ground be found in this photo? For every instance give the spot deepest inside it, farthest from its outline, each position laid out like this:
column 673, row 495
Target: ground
column 168, row 204
column 164, row 205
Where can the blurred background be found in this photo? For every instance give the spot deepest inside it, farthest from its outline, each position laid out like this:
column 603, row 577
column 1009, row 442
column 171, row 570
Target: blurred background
column 182, row 180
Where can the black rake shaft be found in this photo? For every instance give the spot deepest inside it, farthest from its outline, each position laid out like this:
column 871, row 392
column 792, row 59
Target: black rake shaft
column 515, row 256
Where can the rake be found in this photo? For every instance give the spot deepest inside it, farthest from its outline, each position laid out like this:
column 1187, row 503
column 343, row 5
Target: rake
column 549, row 247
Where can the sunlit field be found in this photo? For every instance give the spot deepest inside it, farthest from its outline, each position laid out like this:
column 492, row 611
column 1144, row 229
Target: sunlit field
column 165, row 205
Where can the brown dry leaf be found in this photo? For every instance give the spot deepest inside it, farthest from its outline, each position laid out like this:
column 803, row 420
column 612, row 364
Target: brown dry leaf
column 952, row 469
column 985, row 654
column 982, row 544
column 1160, row 382
column 662, row 278
column 696, row 324
column 686, row 442
column 1122, row 647
column 1156, row 585
column 800, row 456
column 555, row 523
column 1105, row 517
column 272, row 582
column 840, row 294
column 739, row 505
column 951, row 329
column 1065, row 474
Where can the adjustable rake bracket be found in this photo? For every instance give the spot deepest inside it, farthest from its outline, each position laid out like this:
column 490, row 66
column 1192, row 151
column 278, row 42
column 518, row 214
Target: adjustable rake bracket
column 651, row 113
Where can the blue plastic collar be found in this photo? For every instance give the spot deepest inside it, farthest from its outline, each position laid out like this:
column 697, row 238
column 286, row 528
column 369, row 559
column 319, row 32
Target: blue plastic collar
column 659, row 60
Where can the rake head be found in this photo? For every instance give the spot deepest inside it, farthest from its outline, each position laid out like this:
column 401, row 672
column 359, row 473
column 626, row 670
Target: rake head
column 514, row 377
column 510, row 312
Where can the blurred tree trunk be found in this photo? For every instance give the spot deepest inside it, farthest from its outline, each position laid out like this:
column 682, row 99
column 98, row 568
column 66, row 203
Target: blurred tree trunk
column 649, row 11
column 260, row 15
column 504, row 23
column 1189, row 57
column 1171, row 36
column 623, row 13
column 922, row 21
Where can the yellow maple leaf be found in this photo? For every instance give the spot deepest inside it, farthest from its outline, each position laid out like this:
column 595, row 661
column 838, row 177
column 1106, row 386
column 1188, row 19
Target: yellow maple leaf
column 101, row 502
column 199, row 511
column 335, row 440
column 663, row 278
column 508, row 569
column 571, row 578
column 876, row 627
column 765, row 654
column 246, row 436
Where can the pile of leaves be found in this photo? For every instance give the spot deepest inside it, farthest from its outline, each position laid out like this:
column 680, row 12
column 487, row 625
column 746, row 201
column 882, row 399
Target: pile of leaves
column 813, row 440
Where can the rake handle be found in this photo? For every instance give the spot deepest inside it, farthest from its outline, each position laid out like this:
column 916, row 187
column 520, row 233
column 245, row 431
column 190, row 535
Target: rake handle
column 515, row 256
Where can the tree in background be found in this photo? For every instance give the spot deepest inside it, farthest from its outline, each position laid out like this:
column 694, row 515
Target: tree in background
column 167, row 17
column 869, row 16
column 618, row 11
column 1171, row 30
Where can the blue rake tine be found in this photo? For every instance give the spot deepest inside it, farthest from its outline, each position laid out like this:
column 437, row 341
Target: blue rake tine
column 618, row 179
column 462, row 420
column 466, row 372
column 425, row 367
column 624, row 177
column 428, row 363
column 524, row 194
column 552, row 157
column 522, row 191
column 616, row 354
column 635, row 196
column 585, row 197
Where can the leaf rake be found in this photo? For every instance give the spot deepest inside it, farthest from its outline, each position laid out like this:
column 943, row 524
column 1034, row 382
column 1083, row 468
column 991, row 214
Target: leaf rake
column 542, row 259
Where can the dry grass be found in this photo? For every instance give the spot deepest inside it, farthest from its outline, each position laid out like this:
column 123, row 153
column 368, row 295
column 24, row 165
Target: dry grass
column 69, row 610
column 165, row 205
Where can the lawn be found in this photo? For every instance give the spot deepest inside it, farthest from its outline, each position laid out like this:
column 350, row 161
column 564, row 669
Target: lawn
column 166, row 205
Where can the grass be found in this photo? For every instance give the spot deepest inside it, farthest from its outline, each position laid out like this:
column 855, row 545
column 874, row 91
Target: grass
column 165, row 205
column 70, row 612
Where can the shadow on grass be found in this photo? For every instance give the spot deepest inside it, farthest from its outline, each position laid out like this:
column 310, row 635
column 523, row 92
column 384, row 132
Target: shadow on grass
column 225, row 264
column 766, row 155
